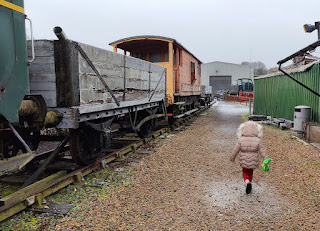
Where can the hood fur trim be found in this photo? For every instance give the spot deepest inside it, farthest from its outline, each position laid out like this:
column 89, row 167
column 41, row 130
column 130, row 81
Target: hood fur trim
column 241, row 127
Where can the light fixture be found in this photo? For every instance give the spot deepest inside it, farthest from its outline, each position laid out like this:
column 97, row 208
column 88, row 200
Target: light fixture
column 308, row 28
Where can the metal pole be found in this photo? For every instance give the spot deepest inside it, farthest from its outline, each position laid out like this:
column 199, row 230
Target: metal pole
column 317, row 25
column 298, row 82
column 20, row 138
column 249, row 105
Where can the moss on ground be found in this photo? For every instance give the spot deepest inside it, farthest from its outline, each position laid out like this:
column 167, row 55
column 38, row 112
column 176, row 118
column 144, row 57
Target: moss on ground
column 6, row 190
column 95, row 187
column 245, row 117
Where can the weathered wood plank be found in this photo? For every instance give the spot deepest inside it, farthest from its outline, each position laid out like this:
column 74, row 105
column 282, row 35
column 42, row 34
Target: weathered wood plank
column 42, row 68
column 39, row 77
column 65, row 79
column 33, row 189
column 88, row 108
column 43, row 60
column 13, row 179
column 49, row 96
column 111, row 67
column 69, row 119
column 42, row 86
column 41, row 48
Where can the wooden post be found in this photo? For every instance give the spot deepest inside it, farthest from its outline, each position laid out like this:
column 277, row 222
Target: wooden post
column 170, row 77
column 38, row 202
column 78, row 178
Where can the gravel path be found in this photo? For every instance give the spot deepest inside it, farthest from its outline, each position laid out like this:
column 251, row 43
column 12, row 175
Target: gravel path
column 190, row 184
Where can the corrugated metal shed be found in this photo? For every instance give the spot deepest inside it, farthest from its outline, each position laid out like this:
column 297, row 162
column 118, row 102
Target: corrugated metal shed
column 277, row 95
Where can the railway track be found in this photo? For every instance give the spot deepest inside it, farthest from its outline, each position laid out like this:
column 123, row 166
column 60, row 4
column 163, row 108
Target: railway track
column 34, row 194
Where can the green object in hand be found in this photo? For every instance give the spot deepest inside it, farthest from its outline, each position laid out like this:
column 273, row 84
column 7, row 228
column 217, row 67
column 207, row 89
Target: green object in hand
column 265, row 165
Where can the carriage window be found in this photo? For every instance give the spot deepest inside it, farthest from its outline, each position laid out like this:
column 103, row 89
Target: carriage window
column 193, row 72
column 143, row 56
column 155, row 57
column 166, row 56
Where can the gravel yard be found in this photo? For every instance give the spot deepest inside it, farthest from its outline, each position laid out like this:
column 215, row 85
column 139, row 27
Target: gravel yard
column 188, row 183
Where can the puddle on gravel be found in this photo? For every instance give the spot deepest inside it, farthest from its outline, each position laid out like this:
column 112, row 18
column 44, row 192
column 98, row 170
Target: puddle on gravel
column 231, row 197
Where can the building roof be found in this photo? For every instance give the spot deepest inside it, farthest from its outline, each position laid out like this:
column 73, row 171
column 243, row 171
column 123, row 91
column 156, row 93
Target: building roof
column 155, row 37
column 227, row 63
column 289, row 71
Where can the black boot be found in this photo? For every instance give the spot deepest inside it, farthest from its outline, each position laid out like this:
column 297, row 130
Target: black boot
column 248, row 188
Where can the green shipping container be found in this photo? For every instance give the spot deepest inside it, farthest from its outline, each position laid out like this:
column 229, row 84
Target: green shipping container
column 277, row 95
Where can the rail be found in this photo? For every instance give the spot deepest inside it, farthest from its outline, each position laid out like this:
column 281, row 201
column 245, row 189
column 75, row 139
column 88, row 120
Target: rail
column 34, row 194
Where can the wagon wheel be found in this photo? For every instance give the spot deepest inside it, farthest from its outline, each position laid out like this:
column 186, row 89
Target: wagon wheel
column 145, row 129
column 83, row 146
column 171, row 120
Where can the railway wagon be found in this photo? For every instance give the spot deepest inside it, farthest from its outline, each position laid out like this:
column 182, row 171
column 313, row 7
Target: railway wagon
column 87, row 90
column 74, row 86
column 92, row 88
column 183, row 69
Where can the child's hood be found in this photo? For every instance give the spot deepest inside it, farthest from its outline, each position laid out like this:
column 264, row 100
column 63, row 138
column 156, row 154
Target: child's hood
column 250, row 129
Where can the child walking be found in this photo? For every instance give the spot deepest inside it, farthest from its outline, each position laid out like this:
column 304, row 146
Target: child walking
column 250, row 146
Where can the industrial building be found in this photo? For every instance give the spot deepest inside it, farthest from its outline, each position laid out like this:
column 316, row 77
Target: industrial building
column 221, row 75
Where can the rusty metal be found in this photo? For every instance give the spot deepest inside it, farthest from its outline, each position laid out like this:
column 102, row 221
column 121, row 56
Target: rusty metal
column 33, row 110
column 53, row 118
column 85, row 145
column 28, row 108
column 147, row 119
column 60, row 33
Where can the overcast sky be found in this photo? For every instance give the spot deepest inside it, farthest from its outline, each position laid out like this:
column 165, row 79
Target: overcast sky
column 213, row 30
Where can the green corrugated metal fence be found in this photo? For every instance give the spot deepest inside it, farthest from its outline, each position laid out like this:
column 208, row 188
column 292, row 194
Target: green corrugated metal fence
column 277, row 96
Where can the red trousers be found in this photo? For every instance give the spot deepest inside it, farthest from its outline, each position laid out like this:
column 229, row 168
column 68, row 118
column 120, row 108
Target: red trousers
column 247, row 174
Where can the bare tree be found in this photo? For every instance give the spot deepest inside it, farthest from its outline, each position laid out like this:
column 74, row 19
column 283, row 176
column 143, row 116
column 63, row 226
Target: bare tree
column 258, row 67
